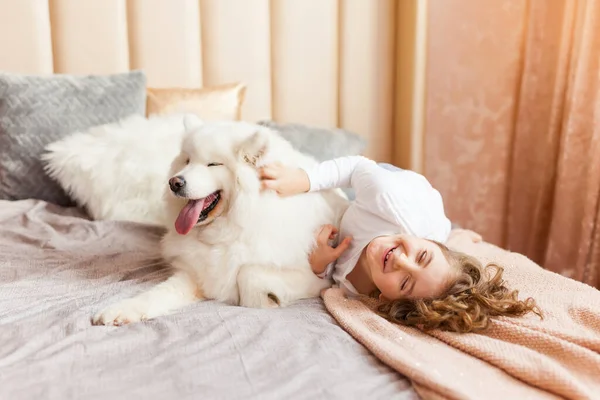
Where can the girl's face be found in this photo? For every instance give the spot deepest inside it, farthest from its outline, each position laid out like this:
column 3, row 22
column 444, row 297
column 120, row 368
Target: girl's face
column 405, row 266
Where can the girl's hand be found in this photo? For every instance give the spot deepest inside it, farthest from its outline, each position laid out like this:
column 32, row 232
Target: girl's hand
column 324, row 254
column 284, row 180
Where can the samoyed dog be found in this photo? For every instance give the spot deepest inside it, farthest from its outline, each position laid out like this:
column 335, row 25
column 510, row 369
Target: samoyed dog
column 227, row 239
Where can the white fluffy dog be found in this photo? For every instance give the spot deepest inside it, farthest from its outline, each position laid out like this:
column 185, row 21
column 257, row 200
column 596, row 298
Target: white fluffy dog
column 227, row 239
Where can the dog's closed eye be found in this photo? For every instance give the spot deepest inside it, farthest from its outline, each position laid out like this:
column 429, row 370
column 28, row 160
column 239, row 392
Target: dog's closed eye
column 213, row 164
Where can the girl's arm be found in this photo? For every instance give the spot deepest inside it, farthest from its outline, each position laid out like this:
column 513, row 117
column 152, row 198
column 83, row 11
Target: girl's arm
column 336, row 173
column 400, row 197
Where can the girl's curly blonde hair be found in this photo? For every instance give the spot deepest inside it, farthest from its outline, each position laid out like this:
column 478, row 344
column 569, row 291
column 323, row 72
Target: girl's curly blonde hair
column 467, row 305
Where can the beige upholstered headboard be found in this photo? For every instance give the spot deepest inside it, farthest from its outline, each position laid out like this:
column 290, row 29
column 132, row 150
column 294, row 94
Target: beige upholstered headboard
column 322, row 62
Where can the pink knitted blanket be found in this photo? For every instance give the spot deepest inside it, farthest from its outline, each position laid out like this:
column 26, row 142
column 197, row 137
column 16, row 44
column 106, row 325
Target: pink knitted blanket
column 517, row 358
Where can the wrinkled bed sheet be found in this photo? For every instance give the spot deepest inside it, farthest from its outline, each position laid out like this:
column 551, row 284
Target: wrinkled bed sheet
column 57, row 268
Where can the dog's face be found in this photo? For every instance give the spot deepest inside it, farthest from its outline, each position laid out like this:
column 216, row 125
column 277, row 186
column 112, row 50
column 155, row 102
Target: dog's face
column 205, row 176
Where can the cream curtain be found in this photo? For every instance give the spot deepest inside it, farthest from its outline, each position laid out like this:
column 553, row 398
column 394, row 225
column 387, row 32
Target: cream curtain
column 513, row 125
column 323, row 62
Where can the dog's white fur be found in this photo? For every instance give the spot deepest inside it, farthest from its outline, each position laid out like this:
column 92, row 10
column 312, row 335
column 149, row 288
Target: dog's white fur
column 100, row 167
column 254, row 247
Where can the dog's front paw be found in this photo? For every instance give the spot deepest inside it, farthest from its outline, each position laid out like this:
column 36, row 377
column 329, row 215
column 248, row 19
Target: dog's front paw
column 124, row 312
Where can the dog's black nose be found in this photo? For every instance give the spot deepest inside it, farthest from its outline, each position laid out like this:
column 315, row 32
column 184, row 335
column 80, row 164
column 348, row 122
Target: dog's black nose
column 177, row 183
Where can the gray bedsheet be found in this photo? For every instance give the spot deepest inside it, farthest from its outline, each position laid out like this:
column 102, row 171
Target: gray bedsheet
column 57, row 268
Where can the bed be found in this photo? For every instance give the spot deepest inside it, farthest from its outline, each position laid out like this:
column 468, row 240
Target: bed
column 58, row 267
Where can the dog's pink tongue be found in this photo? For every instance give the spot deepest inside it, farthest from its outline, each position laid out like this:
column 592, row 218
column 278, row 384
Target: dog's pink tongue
column 189, row 216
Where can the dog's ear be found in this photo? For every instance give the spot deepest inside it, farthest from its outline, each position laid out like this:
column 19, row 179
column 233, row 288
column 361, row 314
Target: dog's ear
column 254, row 147
column 190, row 122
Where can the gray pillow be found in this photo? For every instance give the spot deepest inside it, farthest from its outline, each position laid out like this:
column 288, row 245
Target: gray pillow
column 37, row 110
column 322, row 144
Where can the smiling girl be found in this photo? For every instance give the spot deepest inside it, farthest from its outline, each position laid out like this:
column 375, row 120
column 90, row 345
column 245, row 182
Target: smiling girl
column 395, row 243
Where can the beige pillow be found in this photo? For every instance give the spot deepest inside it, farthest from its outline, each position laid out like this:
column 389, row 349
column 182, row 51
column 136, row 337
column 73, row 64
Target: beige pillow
column 223, row 102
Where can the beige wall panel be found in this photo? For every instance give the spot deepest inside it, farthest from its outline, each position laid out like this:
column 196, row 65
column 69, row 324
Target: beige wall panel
column 410, row 88
column 165, row 41
column 236, row 48
column 304, row 36
column 25, row 44
column 366, row 72
column 89, row 36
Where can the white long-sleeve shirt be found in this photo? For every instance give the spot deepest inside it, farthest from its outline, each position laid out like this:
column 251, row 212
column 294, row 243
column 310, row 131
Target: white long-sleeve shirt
column 386, row 203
